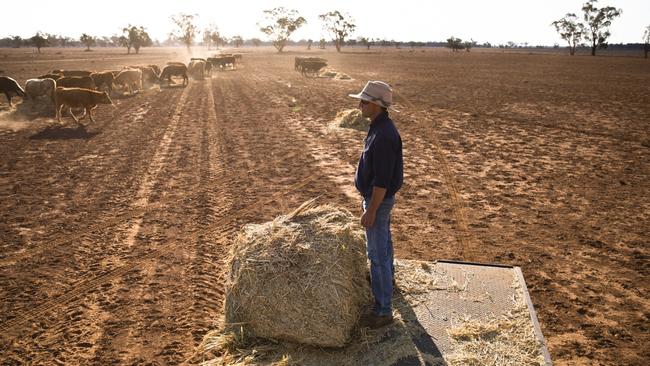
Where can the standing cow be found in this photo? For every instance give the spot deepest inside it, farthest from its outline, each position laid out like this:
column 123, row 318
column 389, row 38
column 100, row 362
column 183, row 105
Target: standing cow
column 79, row 98
column 10, row 88
column 40, row 87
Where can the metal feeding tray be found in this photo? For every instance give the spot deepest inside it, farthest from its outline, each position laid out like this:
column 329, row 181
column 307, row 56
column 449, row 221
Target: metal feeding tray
column 471, row 301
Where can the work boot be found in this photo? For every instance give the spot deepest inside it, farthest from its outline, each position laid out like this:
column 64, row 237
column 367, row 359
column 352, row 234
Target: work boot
column 374, row 321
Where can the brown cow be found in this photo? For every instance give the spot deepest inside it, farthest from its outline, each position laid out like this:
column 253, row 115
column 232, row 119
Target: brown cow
column 149, row 75
column 79, row 98
column 131, row 78
column 104, row 78
column 50, row 76
column 155, row 68
column 196, row 68
column 40, row 87
column 72, row 72
column 175, row 69
column 76, row 82
column 10, row 88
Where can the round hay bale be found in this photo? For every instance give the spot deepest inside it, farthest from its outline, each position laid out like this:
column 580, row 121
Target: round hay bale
column 351, row 118
column 299, row 278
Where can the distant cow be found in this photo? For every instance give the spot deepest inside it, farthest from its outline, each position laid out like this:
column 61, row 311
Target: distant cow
column 76, row 82
column 50, row 76
column 38, row 87
column 155, row 68
column 10, row 88
column 222, row 61
column 298, row 62
column 103, row 79
column 196, row 69
column 72, row 72
column 149, row 75
column 131, row 78
column 311, row 67
column 177, row 69
column 79, row 98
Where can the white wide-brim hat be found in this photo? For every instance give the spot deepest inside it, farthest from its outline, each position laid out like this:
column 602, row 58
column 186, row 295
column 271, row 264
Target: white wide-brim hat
column 377, row 92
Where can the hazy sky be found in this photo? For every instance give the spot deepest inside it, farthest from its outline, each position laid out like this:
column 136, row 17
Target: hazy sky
column 495, row 21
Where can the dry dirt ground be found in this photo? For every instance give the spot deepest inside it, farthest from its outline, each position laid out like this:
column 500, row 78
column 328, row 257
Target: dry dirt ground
column 113, row 235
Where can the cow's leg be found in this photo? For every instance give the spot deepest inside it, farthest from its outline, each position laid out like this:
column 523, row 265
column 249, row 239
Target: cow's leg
column 72, row 114
column 58, row 112
column 90, row 113
column 8, row 98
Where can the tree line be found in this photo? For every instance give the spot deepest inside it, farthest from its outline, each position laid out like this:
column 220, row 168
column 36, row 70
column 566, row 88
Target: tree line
column 278, row 24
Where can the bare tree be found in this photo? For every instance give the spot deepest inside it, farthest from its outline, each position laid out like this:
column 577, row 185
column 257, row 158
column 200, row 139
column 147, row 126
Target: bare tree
column 597, row 22
column 17, row 41
column 467, row 45
column 454, row 43
column 279, row 23
column 87, row 41
column 570, row 30
column 39, row 41
column 136, row 37
column 309, row 43
column 186, row 30
column 339, row 26
column 366, row 42
column 237, row 41
column 646, row 41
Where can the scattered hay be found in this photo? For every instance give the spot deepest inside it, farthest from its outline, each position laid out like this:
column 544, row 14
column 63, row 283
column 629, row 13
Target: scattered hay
column 351, row 118
column 509, row 340
column 332, row 74
column 299, row 278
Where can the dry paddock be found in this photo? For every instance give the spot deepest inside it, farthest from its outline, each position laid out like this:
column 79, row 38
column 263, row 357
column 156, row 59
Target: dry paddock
column 113, row 235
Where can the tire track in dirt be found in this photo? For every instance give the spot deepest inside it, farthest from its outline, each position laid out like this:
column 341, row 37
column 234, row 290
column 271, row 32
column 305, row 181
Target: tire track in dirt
column 40, row 263
column 90, row 286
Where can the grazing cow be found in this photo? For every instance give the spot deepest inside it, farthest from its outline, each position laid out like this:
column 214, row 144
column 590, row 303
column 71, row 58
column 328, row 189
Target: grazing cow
column 311, row 67
column 76, row 82
column 103, row 79
column 10, row 88
column 38, row 87
column 149, row 75
column 130, row 78
column 50, row 76
column 176, row 69
column 155, row 68
column 222, row 61
column 196, row 69
column 79, row 98
column 72, row 72
column 299, row 61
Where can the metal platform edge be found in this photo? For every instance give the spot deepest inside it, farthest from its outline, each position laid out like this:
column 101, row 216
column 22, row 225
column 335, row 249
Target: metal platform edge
column 533, row 315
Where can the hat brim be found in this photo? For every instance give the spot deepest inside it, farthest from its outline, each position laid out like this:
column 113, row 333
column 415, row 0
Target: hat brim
column 368, row 99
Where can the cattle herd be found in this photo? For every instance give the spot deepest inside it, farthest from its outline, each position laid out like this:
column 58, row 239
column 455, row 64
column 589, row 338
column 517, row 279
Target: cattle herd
column 309, row 65
column 85, row 89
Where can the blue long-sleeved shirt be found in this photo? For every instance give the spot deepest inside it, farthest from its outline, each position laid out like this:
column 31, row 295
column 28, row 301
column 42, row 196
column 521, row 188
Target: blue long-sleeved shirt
column 381, row 163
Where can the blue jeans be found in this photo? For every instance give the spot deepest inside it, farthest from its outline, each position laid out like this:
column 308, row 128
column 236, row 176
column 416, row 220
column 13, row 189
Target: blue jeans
column 379, row 247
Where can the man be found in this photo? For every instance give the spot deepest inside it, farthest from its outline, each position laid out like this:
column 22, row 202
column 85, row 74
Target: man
column 379, row 176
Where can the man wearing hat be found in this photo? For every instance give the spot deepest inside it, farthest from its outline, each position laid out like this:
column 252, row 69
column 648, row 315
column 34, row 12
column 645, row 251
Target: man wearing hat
column 379, row 176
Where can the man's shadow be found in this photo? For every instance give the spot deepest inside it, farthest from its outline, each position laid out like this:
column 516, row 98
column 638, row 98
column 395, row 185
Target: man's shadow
column 421, row 339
